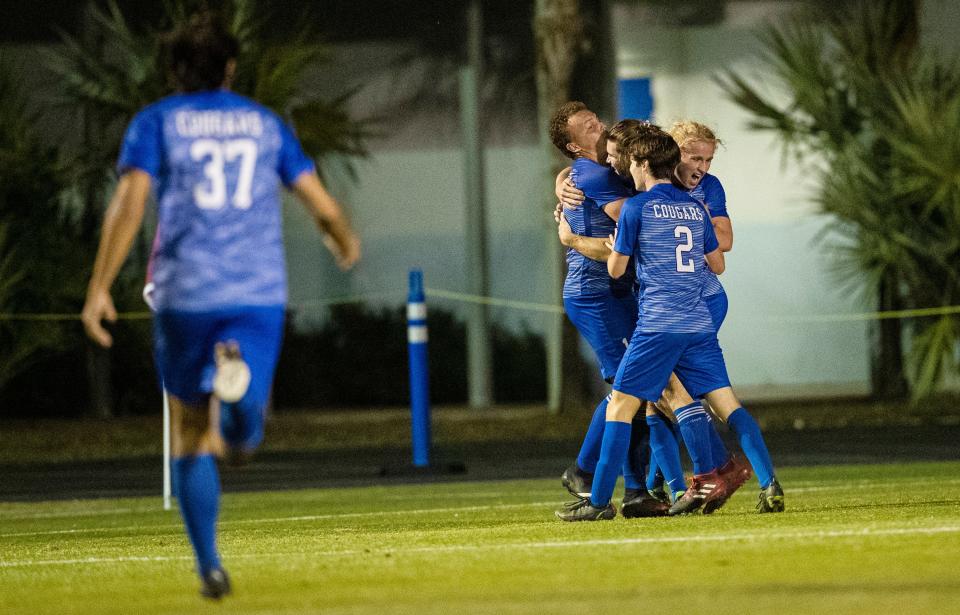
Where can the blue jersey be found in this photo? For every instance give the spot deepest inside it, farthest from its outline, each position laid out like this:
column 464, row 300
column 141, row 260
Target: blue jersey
column 667, row 231
column 600, row 185
column 710, row 192
column 217, row 160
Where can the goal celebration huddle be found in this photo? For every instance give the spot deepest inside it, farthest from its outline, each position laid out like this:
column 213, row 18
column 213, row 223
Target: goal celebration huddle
column 646, row 227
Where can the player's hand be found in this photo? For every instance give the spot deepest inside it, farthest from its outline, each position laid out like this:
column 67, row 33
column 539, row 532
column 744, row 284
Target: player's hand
column 346, row 254
column 564, row 231
column 611, row 239
column 558, row 212
column 569, row 194
column 97, row 308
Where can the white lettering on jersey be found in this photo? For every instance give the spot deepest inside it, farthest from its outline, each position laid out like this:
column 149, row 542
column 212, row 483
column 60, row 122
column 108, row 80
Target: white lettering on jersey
column 678, row 213
column 218, row 123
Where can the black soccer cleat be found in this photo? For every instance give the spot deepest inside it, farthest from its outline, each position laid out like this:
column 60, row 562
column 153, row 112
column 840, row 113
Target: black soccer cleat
column 771, row 498
column 577, row 482
column 639, row 503
column 215, row 584
column 583, row 510
column 660, row 495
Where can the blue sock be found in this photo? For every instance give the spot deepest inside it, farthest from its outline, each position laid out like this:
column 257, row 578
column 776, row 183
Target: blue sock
column 718, row 450
column 751, row 441
column 590, row 449
column 613, row 452
column 665, row 451
column 696, row 435
column 638, row 455
column 630, row 480
column 198, row 494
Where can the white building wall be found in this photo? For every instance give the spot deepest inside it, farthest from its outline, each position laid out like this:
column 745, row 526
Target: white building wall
column 409, row 208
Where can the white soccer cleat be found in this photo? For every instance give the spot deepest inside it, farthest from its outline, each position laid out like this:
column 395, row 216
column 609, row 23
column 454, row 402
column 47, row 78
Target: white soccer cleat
column 232, row 379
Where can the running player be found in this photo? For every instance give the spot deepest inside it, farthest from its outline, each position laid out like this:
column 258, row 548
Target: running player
column 215, row 160
column 670, row 235
column 603, row 310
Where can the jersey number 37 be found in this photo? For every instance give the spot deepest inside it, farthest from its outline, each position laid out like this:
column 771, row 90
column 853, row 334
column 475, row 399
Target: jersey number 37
column 212, row 192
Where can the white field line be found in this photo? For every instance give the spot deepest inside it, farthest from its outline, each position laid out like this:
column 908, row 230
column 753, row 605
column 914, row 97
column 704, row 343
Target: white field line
column 696, row 538
column 797, row 487
column 421, row 511
column 178, row 526
column 56, row 514
column 16, row 515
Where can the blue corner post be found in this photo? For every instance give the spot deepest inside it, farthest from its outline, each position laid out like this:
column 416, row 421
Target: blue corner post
column 419, row 373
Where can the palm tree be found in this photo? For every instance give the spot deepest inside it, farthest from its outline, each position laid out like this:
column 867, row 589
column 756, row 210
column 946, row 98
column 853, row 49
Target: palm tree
column 880, row 119
column 33, row 222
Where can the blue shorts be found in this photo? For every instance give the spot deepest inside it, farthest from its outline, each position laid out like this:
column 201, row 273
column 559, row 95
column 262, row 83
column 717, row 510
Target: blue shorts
column 184, row 343
column 606, row 321
column 717, row 304
column 696, row 358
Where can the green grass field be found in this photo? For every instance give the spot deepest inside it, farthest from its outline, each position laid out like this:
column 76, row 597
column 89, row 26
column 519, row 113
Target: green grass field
column 854, row 539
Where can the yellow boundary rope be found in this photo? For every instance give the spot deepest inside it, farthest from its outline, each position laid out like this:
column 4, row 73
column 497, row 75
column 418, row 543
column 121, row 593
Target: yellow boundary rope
column 514, row 304
column 510, row 303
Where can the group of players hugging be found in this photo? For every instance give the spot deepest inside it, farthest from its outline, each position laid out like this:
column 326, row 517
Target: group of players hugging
column 646, row 227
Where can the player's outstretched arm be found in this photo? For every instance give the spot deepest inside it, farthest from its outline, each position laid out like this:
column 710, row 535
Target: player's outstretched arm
column 120, row 225
column 594, row 248
column 716, row 261
column 339, row 238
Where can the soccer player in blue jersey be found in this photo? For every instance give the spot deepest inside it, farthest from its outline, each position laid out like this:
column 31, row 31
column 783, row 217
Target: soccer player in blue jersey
column 670, row 235
column 603, row 310
column 215, row 161
column 697, row 147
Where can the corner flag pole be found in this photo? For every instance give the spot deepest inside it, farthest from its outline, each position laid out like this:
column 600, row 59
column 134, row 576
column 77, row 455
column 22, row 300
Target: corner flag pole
column 166, row 451
column 167, row 490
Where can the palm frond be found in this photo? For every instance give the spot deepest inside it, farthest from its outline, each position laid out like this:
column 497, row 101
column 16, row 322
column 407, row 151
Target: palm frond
column 885, row 121
column 325, row 128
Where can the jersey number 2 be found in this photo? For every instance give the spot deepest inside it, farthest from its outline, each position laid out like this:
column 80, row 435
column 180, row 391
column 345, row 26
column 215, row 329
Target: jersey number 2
column 212, row 193
column 684, row 265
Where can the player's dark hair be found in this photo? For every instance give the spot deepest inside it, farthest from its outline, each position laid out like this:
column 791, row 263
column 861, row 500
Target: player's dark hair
column 196, row 53
column 559, row 127
column 622, row 134
column 657, row 148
